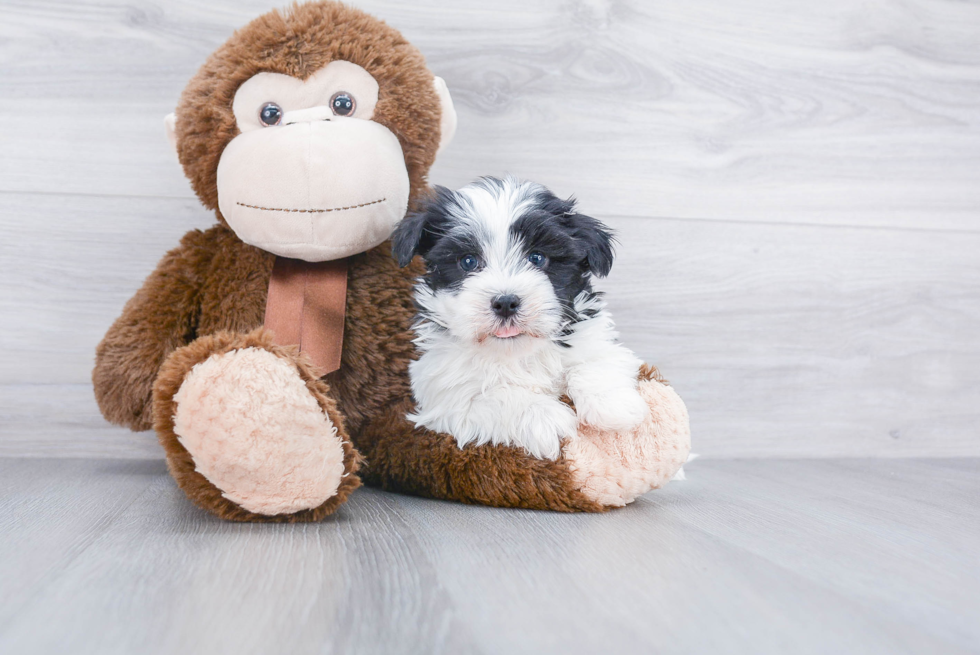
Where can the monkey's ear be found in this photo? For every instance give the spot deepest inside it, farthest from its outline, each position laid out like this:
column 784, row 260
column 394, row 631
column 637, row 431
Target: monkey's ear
column 419, row 231
column 447, row 124
column 170, row 124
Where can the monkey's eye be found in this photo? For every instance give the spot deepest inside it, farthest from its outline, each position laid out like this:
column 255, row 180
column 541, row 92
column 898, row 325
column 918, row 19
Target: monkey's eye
column 270, row 114
column 469, row 263
column 537, row 259
column 342, row 103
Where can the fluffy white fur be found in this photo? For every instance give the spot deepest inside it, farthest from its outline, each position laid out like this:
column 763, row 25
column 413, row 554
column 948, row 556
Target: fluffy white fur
column 485, row 389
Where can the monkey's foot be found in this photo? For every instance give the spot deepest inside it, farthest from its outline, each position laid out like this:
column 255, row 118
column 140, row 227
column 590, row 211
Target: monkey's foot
column 613, row 468
column 250, row 432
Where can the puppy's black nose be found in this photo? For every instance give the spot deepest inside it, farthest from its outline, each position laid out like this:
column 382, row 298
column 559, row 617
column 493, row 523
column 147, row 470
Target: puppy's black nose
column 505, row 306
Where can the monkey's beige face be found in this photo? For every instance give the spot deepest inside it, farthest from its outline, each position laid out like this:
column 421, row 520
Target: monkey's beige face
column 311, row 176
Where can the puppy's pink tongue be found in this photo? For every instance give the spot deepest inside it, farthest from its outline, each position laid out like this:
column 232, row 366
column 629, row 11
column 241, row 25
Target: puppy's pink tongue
column 507, row 331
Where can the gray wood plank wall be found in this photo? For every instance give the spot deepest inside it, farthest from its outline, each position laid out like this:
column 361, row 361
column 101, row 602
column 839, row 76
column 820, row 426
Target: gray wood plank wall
column 795, row 186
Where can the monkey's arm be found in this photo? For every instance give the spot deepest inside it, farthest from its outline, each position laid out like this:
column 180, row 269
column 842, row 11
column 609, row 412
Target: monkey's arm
column 400, row 457
column 597, row 470
column 160, row 318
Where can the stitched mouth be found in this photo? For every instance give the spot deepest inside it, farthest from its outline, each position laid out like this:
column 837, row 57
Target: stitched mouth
column 311, row 211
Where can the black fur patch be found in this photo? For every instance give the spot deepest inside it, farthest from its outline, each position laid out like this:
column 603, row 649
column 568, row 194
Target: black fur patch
column 577, row 246
column 419, row 230
column 442, row 260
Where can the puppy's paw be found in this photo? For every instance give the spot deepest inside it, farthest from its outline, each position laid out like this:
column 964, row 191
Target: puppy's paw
column 615, row 409
column 613, row 468
column 543, row 426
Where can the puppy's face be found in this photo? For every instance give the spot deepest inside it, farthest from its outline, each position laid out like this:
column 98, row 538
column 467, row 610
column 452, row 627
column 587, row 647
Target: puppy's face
column 505, row 260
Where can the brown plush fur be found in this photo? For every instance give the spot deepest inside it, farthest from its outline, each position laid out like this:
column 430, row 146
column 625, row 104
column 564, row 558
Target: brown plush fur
column 211, row 282
column 179, row 461
column 208, row 295
column 651, row 372
column 424, row 463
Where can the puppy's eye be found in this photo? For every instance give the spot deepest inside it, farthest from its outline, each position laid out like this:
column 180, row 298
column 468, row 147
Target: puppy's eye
column 270, row 114
column 469, row 263
column 343, row 103
column 537, row 259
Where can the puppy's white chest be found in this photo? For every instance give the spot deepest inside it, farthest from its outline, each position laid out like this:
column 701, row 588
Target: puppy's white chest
column 499, row 400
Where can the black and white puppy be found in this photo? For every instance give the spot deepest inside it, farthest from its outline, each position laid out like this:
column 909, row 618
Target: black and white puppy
column 508, row 321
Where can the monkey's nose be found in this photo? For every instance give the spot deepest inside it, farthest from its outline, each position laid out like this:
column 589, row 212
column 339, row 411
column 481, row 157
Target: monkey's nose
column 506, row 306
column 308, row 115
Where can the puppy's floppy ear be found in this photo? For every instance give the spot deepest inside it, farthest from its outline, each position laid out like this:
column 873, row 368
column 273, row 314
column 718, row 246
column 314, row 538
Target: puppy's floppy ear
column 420, row 229
column 597, row 239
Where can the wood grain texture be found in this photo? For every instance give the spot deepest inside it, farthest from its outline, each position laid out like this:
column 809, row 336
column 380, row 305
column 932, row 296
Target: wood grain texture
column 858, row 556
column 792, row 340
column 72, row 262
column 770, row 110
column 808, row 341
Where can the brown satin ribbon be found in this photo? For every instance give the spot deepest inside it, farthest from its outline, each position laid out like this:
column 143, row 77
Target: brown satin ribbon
column 306, row 307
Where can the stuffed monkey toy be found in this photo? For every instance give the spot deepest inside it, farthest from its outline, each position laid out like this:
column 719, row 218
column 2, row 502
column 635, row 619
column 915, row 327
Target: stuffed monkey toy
column 270, row 352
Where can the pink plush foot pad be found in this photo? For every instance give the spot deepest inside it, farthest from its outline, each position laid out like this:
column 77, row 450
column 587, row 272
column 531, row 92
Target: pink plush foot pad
column 256, row 432
column 613, row 468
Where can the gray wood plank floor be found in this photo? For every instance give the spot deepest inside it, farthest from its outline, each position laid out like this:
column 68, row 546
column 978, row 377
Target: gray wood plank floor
column 746, row 556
